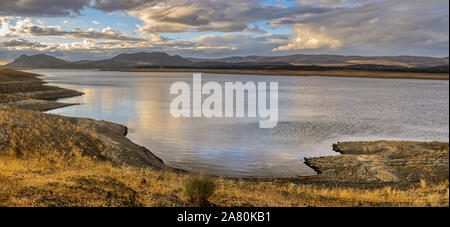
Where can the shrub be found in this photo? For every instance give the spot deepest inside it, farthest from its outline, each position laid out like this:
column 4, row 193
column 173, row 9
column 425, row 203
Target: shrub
column 199, row 189
column 423, row 184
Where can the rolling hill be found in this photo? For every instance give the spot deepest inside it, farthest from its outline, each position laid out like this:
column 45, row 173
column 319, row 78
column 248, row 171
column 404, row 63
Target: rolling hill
column 120, row 61
column 37, row 61
column 160, row 59
column 338, row 60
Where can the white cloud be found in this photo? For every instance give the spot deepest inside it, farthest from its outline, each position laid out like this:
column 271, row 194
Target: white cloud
column 385, row 26
column 310, row 37
column 25, row 27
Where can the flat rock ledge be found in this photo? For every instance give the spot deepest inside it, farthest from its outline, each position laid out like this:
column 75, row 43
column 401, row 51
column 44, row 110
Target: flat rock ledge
column 384, row 162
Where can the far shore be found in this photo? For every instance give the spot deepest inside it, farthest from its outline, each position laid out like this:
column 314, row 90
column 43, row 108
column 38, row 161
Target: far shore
column 324, row 73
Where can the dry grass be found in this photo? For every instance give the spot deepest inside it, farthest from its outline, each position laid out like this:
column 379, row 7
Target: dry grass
column 9, row 75
column 30, row 134
column 198, row 190
column 56, row 181
column 13, row 82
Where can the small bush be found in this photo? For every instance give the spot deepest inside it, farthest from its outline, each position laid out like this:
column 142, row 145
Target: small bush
column 199, row 189
column 423, row 184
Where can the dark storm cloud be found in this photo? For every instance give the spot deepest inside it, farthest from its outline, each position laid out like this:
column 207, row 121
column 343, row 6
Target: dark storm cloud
column 41, row 7
column 20, row 43
column 57, row 8
column 213, row 15
column 105, row 34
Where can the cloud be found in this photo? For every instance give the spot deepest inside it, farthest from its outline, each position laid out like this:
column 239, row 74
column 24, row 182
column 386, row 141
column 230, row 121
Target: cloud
column 105, row 34
column 333, row 3
column 310, row 37
column 59, row 8
column 212, row 45
column 20, row 44
column 41, row 7
column 385, row 25
column 26, row 27
column 368, row 27
column 171, row 16
column 118, row 5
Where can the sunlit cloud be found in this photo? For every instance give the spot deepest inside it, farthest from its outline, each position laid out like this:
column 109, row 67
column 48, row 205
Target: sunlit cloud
column 220, row 28
column 310, row 37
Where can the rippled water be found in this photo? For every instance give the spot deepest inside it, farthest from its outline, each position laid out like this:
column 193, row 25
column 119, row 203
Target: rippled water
column 315, row 112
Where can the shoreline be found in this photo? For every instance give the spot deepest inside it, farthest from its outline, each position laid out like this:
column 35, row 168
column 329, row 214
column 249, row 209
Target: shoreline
column 47, row 100
column 35, row 95
column 82, row 162
column 307, row 73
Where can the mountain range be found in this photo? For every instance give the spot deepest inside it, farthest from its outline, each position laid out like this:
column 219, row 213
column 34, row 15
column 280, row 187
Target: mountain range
column 160, row 59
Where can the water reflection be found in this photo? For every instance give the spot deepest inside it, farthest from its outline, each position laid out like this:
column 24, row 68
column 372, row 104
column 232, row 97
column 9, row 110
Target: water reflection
column 314, row 113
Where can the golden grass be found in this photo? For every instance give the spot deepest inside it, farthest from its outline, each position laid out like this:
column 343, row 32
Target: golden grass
column 30, row 134
column 56, row 181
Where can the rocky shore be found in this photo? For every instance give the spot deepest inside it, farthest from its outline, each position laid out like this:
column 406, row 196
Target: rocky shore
column 381, row 162
column 52, row 160
column 24, row 95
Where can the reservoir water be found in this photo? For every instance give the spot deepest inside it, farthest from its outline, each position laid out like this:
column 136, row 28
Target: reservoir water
column 314, row 113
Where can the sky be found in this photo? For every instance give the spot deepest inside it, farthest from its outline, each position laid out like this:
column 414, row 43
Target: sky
column 97, row 29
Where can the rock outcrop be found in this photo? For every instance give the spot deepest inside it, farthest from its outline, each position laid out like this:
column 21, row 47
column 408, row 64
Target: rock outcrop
column 25, row 130
column 385, row 161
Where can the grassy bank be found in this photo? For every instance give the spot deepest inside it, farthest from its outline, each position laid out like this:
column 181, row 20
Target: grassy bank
column 60, row 164
column 52, row 181
column 50, row 160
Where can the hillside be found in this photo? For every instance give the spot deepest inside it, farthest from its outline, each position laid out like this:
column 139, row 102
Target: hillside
column 338, row 60
column 291, row 62
column 37, row 61
column 141, row 60
column 120, row 61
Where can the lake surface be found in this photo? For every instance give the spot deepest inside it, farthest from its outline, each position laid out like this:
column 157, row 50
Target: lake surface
column 314, row 113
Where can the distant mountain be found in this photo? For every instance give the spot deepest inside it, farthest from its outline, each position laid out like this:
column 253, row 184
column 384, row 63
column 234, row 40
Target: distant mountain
column 37, row 61
column 142, row 60
column 216, row 64
column 134, row 60
column 338, row 60
column 160, row 59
